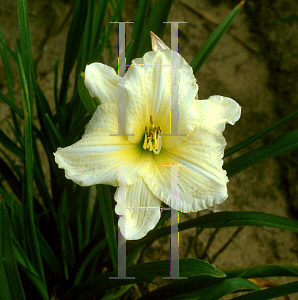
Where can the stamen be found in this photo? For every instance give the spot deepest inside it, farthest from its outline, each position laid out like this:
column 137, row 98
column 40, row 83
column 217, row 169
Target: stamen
column 152, row 139
column 151, row 120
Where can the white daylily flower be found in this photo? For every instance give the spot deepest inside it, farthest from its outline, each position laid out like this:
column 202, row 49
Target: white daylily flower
column 93, row 159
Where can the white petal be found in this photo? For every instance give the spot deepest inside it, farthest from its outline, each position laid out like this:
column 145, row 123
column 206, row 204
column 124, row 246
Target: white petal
column 148, row 91
column 142, row 211
column 202, row 181
column 102, row 82
column 217, row 111
column 96, row 157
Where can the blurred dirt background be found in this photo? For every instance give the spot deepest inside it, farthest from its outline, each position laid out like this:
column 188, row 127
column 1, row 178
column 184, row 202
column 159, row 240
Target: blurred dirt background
column 256, row 64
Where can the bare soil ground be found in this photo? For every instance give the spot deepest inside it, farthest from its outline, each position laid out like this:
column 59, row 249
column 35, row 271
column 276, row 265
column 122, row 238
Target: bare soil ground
column 256, row 64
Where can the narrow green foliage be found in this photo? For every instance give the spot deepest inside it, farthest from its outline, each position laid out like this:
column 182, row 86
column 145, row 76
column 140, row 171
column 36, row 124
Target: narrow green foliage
column 138, row 31
column 257, row 136
column 95, row 251
column 213, row 40
column 25, row 44
column 89, row 102
column 98, row 23
column 272, row 293
column 73, row 44
column 55, row 132
column 103, row 41
column 158, row 16
column 12, row 105
column 145, row 272
column 10, row 283
column 224, row 219
column 31, row 239
column 281, row 145
column 107, row 214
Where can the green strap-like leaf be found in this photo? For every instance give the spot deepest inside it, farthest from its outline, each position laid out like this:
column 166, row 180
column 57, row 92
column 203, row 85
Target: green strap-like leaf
column 107, row 213
column 89, row 103
column 138, row 30
column 214, row 39
column 32, row 242
column 144, row 272
column 10, row 284
column 73, row 43
column 281, row 145
column 257, row 136
column 159, row 14
column 272, row 293
column 219, row 220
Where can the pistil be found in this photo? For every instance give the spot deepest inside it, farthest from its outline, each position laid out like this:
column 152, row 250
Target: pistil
column 152, row 139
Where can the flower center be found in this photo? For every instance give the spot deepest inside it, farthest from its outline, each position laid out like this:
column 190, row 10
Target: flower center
column 152, row 139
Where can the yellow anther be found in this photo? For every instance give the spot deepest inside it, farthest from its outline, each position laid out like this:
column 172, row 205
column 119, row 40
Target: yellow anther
column 151, row 120
column 152, row 139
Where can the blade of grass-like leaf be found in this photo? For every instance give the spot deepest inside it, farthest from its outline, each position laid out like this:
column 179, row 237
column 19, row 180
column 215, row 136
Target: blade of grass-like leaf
column 86, row 211
column 9, row 79
column 144, row 272
column 25, row 44
column 56, row 94
column 89, row 103
column 200, row 285
column 98, row 24
column 281, row 145
column 75, row 130
column 49, row 256
column 80, row 234
column 10, row 283
column 29, row 270
column 138, row 29
column 68, row 254
column 10, row 178
column 32, row 242
column 39, row 179
column 96, row 219
column 6, row 65
column 13, row 165
column 85, row 48
column 219, row 220
column 158, row 15
column 272, row 293
column 55, row 131
column 214, row 39
column 290, row 270
column 212, row 289
column 257, row 136
column 12, row 105
column 95, row 251
column 73, row 43
column 107, row 214
column 10, row 145
column 118, row 293
column 97, row 51
column 7, row 49
column 227, row 286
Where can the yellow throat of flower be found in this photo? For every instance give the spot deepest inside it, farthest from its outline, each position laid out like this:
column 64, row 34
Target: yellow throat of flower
column 152, row 139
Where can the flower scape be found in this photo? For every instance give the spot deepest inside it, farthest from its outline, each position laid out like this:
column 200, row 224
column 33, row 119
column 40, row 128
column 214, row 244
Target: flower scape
column 146, row 154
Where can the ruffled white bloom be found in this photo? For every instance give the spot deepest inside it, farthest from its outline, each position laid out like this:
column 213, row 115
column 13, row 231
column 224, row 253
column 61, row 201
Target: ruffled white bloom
column 93, row 159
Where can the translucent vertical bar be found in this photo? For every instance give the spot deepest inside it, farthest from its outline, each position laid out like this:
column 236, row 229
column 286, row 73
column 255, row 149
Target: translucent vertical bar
column 122, row 218
column 121, row 81
column 174, row 261
column 174, row 80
